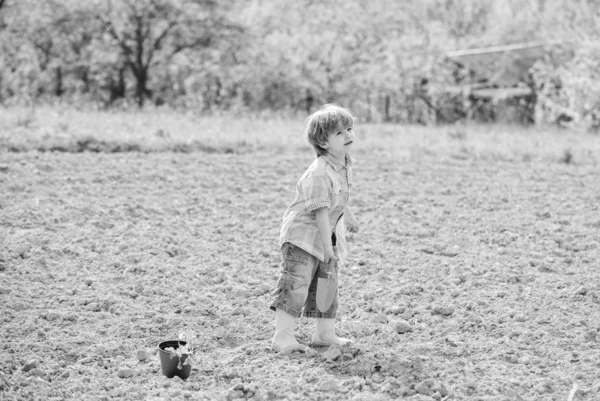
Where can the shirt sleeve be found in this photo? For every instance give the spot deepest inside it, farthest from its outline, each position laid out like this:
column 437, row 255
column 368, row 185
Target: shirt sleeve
column 317, row 192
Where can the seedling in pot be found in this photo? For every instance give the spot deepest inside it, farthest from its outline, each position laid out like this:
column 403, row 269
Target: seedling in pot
column 185, row 347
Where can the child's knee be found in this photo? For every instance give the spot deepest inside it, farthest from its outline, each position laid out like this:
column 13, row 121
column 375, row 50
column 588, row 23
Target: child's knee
column 292, row 280
column 295, row 285
column 291, row 291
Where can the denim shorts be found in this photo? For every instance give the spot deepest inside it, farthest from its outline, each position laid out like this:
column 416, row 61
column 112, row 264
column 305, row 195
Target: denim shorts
column 296, row 291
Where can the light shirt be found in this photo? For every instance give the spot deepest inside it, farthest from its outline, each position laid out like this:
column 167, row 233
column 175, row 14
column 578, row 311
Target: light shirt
column 326, row 183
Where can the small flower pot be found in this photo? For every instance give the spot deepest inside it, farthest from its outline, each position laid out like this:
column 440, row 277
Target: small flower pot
column 172, row 363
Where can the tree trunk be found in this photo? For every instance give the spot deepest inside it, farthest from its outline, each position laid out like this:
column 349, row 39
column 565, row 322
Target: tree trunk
column 218, row 87
column 141, row 85
column 117, row 88
column 388, row 102
column 84, row 76
column 309, row 99
column 59, row 88
column 369, row 107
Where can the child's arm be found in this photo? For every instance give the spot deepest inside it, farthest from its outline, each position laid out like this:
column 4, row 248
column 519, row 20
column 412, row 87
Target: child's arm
column 325, row 231
column 350, row 220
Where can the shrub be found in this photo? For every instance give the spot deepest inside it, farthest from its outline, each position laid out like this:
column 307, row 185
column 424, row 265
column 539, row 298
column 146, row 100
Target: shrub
column 569, row 91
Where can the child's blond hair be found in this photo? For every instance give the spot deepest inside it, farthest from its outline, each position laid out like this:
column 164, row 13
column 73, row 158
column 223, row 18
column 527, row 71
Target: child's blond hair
column 328, row 119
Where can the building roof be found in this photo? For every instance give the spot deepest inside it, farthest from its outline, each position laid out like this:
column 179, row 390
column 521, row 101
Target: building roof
column 503, row 66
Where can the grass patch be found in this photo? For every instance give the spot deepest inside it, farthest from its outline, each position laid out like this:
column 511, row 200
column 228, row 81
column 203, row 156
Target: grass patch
column 48, row 129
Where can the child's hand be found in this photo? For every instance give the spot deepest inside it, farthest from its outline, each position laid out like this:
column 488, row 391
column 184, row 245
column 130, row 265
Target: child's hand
column 330, row 255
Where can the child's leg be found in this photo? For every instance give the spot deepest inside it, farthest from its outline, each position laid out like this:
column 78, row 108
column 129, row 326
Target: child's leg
column 284, row 339
column 310, row 308
column 298, row 267
column 290, row 295
column 325, row 321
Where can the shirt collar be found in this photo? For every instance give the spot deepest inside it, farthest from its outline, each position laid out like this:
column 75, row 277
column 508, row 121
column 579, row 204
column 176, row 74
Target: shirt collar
column 336, row 164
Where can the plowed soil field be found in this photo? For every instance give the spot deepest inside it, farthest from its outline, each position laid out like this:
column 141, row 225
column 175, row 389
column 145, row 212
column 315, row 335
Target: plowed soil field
column 474, row 276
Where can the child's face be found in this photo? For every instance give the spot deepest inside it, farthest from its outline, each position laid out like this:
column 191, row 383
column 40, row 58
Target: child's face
column 340, row 142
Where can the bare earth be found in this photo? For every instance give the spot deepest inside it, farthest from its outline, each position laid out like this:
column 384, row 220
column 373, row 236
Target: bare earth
column 472, row 278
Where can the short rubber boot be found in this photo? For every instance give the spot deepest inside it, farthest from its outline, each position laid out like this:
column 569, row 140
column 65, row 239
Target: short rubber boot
column 324, row 335
column 284, row 340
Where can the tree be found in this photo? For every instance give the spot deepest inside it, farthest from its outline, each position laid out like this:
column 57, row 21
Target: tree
column 150, row 32
column 366, row 55
column 567, row 84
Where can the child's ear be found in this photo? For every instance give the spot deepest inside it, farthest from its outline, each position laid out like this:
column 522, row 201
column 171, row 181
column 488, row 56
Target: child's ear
column 324, row 145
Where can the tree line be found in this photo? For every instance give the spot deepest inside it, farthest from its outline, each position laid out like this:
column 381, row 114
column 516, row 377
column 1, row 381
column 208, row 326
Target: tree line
column 381, row 58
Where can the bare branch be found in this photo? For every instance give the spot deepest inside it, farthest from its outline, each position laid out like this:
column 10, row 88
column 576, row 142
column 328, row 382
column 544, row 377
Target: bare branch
column 158, row 41
column 126, row 50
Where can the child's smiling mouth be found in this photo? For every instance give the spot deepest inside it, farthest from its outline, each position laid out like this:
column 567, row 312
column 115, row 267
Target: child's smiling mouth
column 348, row 143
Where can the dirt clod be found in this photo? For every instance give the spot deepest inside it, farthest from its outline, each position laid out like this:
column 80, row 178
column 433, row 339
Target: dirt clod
column 125, row 373
column 141, row 355
column 31, row 364
column 443, row 310
column 332, row 354
column 402, row 326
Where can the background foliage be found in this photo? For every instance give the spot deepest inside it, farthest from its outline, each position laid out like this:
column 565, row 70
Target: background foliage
column 289, row 55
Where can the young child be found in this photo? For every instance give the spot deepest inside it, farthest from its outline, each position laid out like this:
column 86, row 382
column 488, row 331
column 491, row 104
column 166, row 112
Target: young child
column 308, row 232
